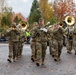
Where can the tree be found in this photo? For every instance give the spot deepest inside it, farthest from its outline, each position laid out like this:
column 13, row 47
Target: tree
column 63, row 8
column 46, row 10
column 35, row 13
column 7, row 17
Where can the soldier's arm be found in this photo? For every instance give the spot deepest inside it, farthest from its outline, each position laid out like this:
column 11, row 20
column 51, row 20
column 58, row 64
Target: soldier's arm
column 7, row 34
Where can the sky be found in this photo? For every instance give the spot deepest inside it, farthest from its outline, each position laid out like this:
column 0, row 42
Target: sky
column 22, row 6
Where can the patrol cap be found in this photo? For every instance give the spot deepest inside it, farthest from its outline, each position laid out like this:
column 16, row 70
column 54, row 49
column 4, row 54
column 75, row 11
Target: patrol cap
column 35, row 24
column 41, row 19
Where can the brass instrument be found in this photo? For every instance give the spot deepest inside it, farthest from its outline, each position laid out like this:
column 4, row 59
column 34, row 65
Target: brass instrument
column 70, row 20
column 24, row 25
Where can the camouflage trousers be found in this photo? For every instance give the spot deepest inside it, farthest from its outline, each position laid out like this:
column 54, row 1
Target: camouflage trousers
column 69, row 45
column 39, row 51
column 50, row 46
column 33, row 50
column 13, row 47
column 74, row 45
column 57, row 48
column 20, row 49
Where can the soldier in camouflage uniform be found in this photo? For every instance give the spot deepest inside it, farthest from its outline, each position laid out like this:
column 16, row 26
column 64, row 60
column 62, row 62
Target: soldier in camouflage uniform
column 33, row 41
column 57, row 41
column 69, row 38
column 74, row 38
column 50, row 38
column 13, row 43
column 42, row 43
column 21, row 41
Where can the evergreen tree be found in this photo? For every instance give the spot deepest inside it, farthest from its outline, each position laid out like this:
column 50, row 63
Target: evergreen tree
column 35, row 13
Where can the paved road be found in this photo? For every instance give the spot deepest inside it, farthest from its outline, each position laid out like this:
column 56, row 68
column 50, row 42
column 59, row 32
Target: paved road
column 24, row 66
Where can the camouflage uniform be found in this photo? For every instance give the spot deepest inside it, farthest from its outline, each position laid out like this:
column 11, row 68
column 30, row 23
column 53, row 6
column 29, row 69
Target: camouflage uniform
column 50, row 39
column 74, row 40
column 13, row 45
column 42, row 45
column 39, row 45
column 20, row 43
column 33, row 44
column 69, row 39
column 57, row 43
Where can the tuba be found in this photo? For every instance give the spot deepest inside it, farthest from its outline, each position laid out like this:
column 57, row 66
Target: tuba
column 70, row 20
column 23, row 25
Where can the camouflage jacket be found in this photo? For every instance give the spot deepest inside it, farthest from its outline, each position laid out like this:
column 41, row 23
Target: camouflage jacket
column 74, row 34
column 50, row 34
column 13, row 35
column 58, row 34
column 38, row 35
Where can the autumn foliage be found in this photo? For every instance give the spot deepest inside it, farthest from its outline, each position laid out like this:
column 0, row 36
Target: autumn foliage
column 63, row 8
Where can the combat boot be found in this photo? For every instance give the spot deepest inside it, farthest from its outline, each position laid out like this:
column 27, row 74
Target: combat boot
column 42, row 61
column 38, row 64
column 9, row 59
column 55, row 60
column 69, row 52
column 14, row 59
column 32, row 58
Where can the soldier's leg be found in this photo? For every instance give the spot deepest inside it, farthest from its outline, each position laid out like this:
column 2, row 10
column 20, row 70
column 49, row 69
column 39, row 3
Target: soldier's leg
column 18, row 49
column 55, row 50
column 60, row 46
column 15, row 48
column 33, row 44
column 74, row 46
column 39, row 53
column 69, row 47
column 21, row 49
column 10, row 53
column 50, row 50
column 44, row 47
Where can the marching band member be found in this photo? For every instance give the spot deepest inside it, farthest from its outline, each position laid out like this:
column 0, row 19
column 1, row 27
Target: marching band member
column 33, row 41
column 57, row 41
column 13, row 43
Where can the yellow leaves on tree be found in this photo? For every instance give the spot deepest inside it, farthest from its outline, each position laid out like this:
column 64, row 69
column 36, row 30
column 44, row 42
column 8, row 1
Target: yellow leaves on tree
column 45, row 9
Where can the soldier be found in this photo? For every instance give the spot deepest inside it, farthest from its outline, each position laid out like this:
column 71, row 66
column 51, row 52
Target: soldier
column 20, row 42
column 57, row 41
column 74, row 38
column 69, row 38
column 50, row 38
column 33, row 41
column 42, row 43
column 13, row 43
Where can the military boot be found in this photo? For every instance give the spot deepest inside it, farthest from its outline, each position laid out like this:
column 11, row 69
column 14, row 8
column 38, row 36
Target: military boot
column 9, row 59
column 38, row 64
column 14, row 59
column 75, row 53
column 42, row 61
column 69, row 52
column 32, row 58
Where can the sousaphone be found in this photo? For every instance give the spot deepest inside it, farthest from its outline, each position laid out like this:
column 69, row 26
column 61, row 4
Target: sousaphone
column 70, row 20
column 24, row 25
